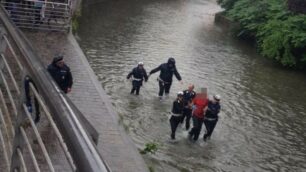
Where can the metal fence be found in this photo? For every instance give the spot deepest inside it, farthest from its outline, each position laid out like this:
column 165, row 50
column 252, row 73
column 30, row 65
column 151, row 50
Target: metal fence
column 40, row 130
column 23, row 118
column 42, row 15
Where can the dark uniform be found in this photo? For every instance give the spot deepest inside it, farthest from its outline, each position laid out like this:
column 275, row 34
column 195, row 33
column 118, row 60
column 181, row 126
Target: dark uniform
column 188, row 96
column 176, row 117
column 61, row 75
column 211, row 118
column 166, row 73
column 138, row 75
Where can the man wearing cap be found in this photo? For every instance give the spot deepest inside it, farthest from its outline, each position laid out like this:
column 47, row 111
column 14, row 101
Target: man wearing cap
column 211, row 116
column 200, row 103
column 176, row 113
column 165, row 77
column 138, row 73
column 60, row 72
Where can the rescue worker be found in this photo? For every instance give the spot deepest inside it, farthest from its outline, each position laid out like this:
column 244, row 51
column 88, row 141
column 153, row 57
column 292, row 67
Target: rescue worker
column 138, row 73
column 188, row 96
column 176, row 113
column 200, row 103
column 165, row 77
column 60, row 72
column 211, row 116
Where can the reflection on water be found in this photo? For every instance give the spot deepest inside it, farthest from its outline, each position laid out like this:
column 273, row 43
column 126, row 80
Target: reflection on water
column 263, row 116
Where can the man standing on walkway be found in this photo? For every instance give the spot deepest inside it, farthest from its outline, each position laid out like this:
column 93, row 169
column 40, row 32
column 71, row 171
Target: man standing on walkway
column 200, row 103
column 60, row 72
column 188, row 96
column 138, row 73
column 165, row 77
column 211, row 116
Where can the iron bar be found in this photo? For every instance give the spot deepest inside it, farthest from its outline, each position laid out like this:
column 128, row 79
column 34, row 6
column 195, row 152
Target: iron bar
column 6, row 112
column 24, row 167
column 13, row 52
column 9, row 93
column 2, row 121
column 57, row 132
column 11, row 74
column 38, row 137
column 34, row 160
column 4, row 149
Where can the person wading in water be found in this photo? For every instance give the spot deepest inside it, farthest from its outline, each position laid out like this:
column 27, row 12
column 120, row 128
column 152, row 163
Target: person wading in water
column 188, row 96
column 200, row 103
column 138, row 73
column 176, row 113
column 211, row 116
column 165, row 77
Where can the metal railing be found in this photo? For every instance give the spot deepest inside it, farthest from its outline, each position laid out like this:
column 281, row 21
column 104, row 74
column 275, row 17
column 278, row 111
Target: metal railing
column 42, row 15
column 22, row 125
column 31, row 102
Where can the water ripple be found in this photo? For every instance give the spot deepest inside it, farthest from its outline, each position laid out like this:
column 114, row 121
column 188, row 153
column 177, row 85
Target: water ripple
column 261, row 126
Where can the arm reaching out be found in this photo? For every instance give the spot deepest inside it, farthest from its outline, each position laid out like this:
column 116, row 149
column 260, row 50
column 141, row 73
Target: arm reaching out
column 155, row 70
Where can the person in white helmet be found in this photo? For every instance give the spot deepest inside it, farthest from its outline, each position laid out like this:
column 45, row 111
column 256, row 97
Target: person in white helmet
column 211, row 116
column 176, row 113
column 139, row 74
column 189, row 95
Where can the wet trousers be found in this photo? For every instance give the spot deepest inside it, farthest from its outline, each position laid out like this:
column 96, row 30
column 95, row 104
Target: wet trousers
column 136, row 87
column 174, row 122
column 186, row 114
column 210, row 126
column 164, row 87
column 196, row 129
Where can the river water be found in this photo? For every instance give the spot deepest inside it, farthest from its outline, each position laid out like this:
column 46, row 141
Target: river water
column 263, row 118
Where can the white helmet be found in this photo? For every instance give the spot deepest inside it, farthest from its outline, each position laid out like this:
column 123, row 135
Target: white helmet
column 140, row 63
column 217, row 97
column 180, row 93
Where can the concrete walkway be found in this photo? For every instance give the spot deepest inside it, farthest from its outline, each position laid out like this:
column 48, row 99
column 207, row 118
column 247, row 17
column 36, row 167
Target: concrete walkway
column 114, row 145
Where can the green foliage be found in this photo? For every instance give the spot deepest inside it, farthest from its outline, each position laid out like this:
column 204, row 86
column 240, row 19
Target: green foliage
column 151, row 169
column 184, row 170
column 74, row 20
column 151, row 147
column 280, row 34
column 226, row 4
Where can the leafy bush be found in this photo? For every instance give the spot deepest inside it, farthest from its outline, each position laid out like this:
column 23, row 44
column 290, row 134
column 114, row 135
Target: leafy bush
column 150, row 148
column 226, row 3
column 280, row 34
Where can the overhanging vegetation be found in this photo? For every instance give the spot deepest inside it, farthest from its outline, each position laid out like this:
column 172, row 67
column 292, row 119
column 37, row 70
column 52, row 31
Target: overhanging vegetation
column 280, row 33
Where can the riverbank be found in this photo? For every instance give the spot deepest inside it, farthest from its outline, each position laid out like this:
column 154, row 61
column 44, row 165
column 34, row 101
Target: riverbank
column 114, row 145
column 279, row 33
